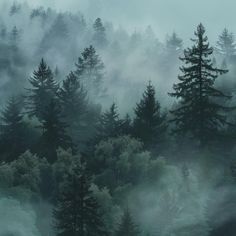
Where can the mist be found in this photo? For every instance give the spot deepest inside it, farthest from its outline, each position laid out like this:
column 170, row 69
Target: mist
column 106, row 127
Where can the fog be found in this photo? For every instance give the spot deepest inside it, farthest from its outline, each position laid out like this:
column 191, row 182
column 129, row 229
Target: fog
column 164, row 15
column 172, row 184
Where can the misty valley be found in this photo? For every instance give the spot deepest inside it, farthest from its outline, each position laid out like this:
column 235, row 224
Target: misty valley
column 111, row 131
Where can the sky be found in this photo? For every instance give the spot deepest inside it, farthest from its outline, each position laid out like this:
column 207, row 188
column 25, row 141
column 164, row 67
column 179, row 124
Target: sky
column 165, row 16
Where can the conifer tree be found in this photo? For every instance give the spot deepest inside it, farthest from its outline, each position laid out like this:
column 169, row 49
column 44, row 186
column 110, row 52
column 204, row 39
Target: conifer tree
column 226, row 44
column 174, row 43
column 149, row 122
column 99, row 36
column 198, row 113
column 127, row 226
column 14, row 38
column 43, row 90
column 110, row 124
column 90, row 71
column 12, row 139
column 77, row 211
column 53, row 132
column 74, row 105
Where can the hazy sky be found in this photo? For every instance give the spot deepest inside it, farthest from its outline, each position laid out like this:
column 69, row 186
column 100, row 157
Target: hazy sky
column 163, row 15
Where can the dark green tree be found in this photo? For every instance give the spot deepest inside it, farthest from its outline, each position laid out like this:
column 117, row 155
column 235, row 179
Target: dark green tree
column 99, row 37
column 75, row 107
column 12, row 136
column 127, row 226
column 110, row 123
column 226, row 44
column 90, row 71
column 198, row 113
column 53, row 133
column 43, row 89
column 149, row 122
column 77, row 211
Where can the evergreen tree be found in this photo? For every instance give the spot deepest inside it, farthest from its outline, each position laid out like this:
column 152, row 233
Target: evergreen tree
column 174, row 43
column 74, row 104
column 77, row 211
column 110, row 124
column 44, row 89
column 226, row 44
column 149, row 122
column 14, row 38
column 90, row 71
column 15, row 8
column 12, row 138
column 127, row 227
column 99, row 36
column 53, row 132
column 198, row 113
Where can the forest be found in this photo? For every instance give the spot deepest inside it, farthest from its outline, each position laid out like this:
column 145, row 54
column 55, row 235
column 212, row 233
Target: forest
column 111, row 132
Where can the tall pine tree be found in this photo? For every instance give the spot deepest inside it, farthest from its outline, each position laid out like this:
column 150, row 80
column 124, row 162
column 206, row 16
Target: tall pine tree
column 77, row 211
column 43, row 89
column 75, row 107
column 198, row 113
column 149, row 122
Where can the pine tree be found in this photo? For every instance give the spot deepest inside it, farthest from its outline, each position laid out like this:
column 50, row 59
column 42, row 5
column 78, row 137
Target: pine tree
column 174, row 43
column 12, row 139
column 90, row 71
column 110, row 124
column 53, row 132
column 149, row 122
column 43, row 90
column 226, row 44
column 14, row 38
column 198, row 113
column 99, row 36
column 77, row 211
column 127, row 227
column 74, row 104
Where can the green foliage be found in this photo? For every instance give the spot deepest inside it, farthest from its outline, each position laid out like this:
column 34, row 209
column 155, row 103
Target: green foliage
column 198, row 113
column 149, row 123
column 53, row 133
column 43, row 90
column 77, row 210
column 121, row 161
column 13, row 131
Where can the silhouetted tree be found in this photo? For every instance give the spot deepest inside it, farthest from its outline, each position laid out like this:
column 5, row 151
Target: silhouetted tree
column 127, row 226
column 110, row 124
column 90, row 71
column 198, row 113
column 77, row 210
column 74, row 105
column 53, row 132
column 99, row 36
column 43, row 90
column 12, row 136
column 149, row 122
